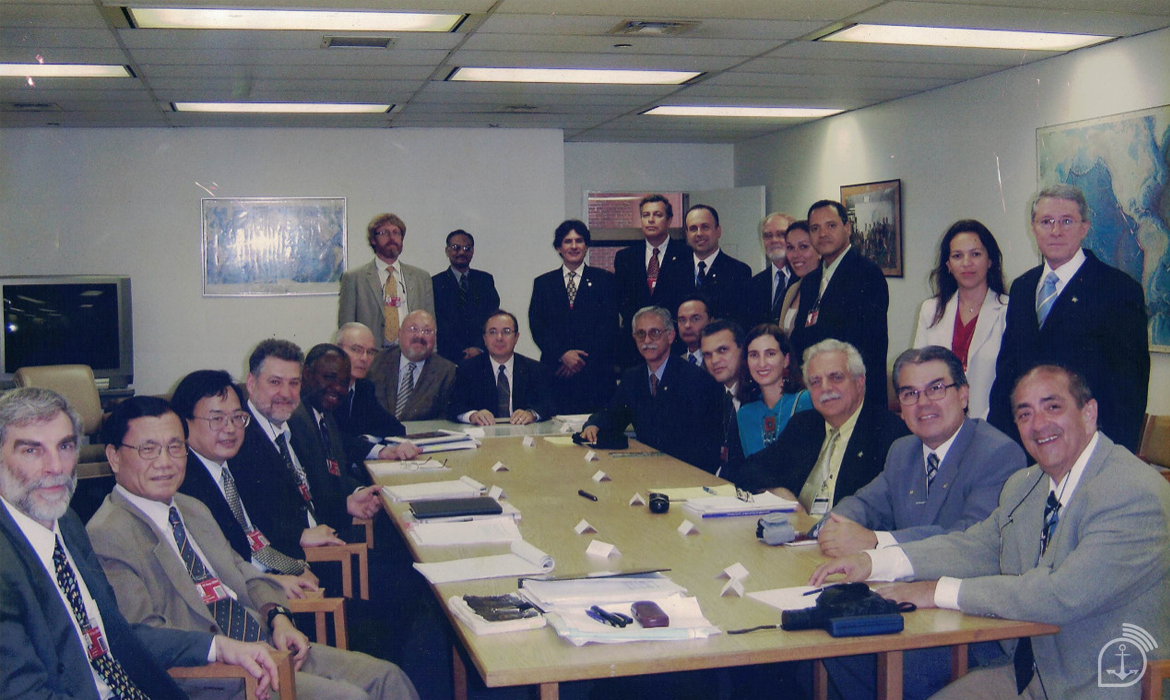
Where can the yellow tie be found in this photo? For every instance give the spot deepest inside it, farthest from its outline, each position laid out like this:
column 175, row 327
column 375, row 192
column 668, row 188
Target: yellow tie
column 390, row 301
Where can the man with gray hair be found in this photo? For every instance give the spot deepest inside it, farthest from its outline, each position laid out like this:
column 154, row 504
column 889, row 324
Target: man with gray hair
column 766, row 290
column 829, row 453
column 359, row 414
column 673, row 405
column 1078, row 312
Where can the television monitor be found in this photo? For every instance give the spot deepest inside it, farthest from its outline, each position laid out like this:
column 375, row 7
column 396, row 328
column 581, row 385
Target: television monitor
column 67, row 320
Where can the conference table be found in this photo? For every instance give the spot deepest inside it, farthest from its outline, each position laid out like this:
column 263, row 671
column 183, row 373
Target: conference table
column 543, row 480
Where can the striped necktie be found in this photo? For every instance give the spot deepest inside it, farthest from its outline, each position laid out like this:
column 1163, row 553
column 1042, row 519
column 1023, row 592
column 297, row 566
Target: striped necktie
column 261, row 548
column 405, row 391
column 1046, row 297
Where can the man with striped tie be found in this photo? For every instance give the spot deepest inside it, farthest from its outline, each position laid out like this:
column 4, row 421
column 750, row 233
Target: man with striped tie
column 172, row 566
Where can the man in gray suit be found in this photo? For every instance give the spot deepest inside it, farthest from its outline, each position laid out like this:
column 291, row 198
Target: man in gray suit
column 411, row 381
column 171, row 565
column 382, row 292
column 1081, row 540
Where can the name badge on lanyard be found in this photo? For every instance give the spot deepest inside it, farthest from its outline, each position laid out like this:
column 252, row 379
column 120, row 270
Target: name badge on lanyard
column 820, row 506
column 394, row 301
column 212, row 590
column 97, row 644
column 257, row 540
column 304, row 489
column 333, row 468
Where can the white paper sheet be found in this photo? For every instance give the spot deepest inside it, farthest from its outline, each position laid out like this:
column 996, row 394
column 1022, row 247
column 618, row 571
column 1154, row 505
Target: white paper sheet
column 430, row 490
column 793, row 598
column 484, row 531
column 525, row 560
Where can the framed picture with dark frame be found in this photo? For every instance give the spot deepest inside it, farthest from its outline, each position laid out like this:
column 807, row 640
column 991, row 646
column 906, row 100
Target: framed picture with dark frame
column 874, row 210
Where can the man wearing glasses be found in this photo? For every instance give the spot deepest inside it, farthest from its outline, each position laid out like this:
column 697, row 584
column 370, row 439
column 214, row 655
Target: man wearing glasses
column 1075, row 311
column 359, row 413
column 673, row 405
column 501, row 386
column 463, row 299
column 410, row 380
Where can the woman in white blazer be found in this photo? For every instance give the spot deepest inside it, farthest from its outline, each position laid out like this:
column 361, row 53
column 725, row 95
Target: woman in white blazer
column 969, row 307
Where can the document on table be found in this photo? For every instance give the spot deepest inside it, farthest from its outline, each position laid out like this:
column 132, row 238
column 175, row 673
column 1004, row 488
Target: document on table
column 726, row 506
column 686, row 622
column 500, row 528
column 524, row 560
column 678, row 495
column 430, row 490
column 588, row 591
column 794, row 598
column 385, row 467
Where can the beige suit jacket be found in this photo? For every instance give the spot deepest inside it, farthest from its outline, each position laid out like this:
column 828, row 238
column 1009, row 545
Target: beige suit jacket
column 361, row 295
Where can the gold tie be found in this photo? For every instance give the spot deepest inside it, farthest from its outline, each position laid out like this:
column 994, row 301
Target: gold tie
column 390, row 301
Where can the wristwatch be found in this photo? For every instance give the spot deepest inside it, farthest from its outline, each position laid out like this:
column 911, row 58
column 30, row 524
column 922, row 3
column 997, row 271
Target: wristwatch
column 279, row 610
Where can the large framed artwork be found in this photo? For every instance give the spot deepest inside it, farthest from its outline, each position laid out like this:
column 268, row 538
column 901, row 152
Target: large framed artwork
column 875, row 212
column 273, row 246
column 1122, row 164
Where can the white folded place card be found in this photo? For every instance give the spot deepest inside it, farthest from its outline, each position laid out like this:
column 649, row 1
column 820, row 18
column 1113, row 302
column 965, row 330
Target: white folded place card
column 529, row 441
column 637, row 500
column 735, row 571
column 597, row 548
column 734, row 587
column 499, row 467
column 687, row 528
column 601, row 476
column 567, row 428
column 497, row 493
column 591, row 456
column 583, row 527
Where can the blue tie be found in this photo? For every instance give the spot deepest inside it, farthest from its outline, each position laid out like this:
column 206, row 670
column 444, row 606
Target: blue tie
column 1046, row 297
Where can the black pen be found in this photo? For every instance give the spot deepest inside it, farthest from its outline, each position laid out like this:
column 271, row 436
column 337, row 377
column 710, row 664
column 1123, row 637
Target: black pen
column 585, row 494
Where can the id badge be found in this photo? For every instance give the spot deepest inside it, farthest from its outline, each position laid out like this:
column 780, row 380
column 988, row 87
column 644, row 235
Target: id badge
column 820, row 506
column 333, row 468
column 394, row 302
column 97, row 644
column 257, row 540
column 212, row 590
column 812, row 318
column 304, row 489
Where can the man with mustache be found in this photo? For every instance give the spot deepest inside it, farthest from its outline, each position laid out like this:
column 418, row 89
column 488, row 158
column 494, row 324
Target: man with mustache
column 410, row 380
column 673, row 405
column 463, row 299
column 827, row 454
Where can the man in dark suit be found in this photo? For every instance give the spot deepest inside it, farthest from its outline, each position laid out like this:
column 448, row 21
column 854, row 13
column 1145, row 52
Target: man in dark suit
column 1094, row 321
column 825, row 455
column 360, row 414
column 846, row 298
column 463, row 299
column 717, row 275
column 673, row 406
column 692, row 316
column 766, row 290
column 410, row 380
column 502, row 384
column 723, row 358
column 58, row 644
column 653, row 273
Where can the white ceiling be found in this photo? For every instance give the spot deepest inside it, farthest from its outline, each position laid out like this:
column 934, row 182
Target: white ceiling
column 752, row 52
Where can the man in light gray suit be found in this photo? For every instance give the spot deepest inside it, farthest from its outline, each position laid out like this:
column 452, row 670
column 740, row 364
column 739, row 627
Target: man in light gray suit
column 382, row 292
column 1081, row 540
column 410, row 380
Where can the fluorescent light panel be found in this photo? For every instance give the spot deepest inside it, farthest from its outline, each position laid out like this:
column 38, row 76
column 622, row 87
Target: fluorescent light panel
column 592, row 76
column 62, row 70
column 963, row 38
column 281, row 107
column 742, row 112
column 197, row 18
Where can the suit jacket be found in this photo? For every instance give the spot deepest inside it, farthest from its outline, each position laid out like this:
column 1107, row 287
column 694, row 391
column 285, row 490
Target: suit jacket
column 629, row 269
column 198, row 484
column 759, row 297
column 42, row 655
column 590, row 326
column 985, row 342
column 853, row 310
column 788, row 461
column 1107, row 564
column 363, row 416
column 726, row 287
column 269, row 492
column 684, row 420
column 1097, row 326
column 329, row 490
column 965, row 489
column 475, row 387
column 362, row 295
column 432, row 387
column 457, row 328
column 153, row 585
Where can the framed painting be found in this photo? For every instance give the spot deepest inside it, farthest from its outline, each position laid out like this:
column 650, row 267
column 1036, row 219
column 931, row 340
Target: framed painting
column 273, row 246
column 874, row 210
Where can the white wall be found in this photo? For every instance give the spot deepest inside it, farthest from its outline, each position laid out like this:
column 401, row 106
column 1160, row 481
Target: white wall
column 126, row 201
column 965, row 151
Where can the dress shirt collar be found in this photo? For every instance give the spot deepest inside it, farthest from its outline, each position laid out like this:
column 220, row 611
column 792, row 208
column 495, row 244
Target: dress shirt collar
column 829, row 270
column 508, row 364
column 658, row 372
column 1065, row 272
column 731, row 391
column 459, row 275
column 580, row 273
column 384, row 266
column 661, row 250
column 403, row 361
column 159, row 513
column 1067, row 486
column 697, row 354
column 41, row 538
column 847, row 427
column 942, row 450
column 270, row 429
column 215, row 469
column 710, row 260
column 785, row 275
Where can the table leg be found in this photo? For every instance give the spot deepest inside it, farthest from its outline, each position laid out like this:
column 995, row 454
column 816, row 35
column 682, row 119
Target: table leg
column 550, row 691
column 889, row 675
column 458, row 675
column 820, row 680
column 958, row 661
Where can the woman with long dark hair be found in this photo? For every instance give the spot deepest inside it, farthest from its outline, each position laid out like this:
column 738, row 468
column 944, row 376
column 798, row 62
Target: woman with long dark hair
column 762, row 420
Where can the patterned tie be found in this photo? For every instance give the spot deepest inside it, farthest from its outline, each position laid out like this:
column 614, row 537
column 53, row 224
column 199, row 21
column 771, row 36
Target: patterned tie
column 297, row 470
column 1051, row 517
column 931, row 468
column 701, row 277
column 464, row 292
column 818, row 480
column 261, row 548
column 778, row 296
column 390, row 303
column 653, row 384
column 1024, row 661
column 503, row 395
column 230, row 614
column 105, row 664
column 652, row 271
column 330, row 457
column 405, row 390
column 1046, row 297
column 572, row 288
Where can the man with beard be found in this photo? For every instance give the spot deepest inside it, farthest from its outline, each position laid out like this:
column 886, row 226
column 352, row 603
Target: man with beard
column 410, row 380
column 766, row 290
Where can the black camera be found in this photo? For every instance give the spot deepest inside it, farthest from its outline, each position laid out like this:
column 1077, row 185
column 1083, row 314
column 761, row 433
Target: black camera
column 848, row 609
column 659, row 502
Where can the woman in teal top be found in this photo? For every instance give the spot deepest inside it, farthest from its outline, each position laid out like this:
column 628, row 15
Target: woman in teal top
column 762, row 420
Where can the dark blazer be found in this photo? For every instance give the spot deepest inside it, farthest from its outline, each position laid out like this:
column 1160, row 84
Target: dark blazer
column 42, row 655
column 590, row 326
column 683, row 420
column 965, row 489
column 788, row 461
column 269, row 492
column 629, row 269
column 475, row 387
column 198, row 484
column 853, row 310
column 725, row 287
column 432, row 388
column 1097, row 326
column 329, row 490
column 759, row 297
column 364, row 416
column 457, row 328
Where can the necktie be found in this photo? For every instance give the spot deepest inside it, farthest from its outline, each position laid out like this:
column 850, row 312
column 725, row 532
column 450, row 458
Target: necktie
column 931, row 468
column 405, row 390
column 390, row 304
column 730, row 432
column 1046, row 297
column 349, row 403
column 261, row 549
column 701, row 277
column 464, row 291
column 778, row 296
column 503, row 395
column 652, row 270
column 230, row 614
column 693, row 359
column 572, row 288
column 296, row 469
column 1051, row 517
column 330, row 458
column 106, row 666
column 815, row 485
column 1023, row 660
column 653, row 384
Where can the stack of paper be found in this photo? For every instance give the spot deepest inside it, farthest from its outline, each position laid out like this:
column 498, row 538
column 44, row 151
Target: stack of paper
column 686, row 622
column 498, row 528
column 384, row 467
column 437, row 441
column 525, row 560
column 727, row 506
column 597, row 590
column 465, row 486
